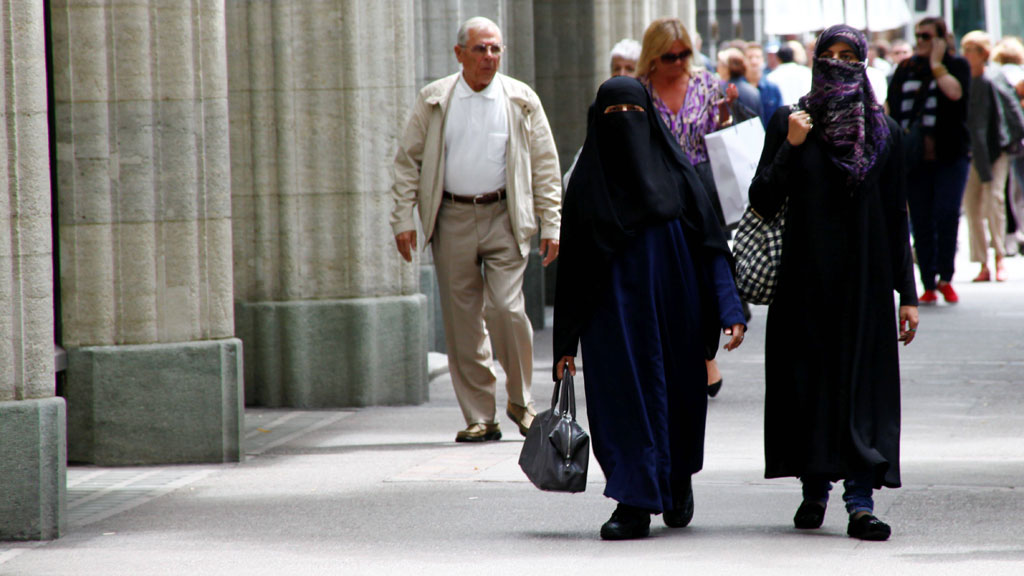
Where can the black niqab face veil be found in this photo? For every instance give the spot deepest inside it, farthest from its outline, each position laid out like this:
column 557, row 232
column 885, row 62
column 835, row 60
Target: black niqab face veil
column 627, row 177
column 631, row 174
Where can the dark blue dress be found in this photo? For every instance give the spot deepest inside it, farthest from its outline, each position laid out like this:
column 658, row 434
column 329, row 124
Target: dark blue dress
column 644, row 371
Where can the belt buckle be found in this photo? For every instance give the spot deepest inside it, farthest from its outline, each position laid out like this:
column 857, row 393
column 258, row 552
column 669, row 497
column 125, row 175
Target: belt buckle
column 481, row 199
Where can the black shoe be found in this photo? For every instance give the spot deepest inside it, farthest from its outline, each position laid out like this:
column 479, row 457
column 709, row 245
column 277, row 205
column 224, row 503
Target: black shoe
column 714, row 388
column 809, row 515
column 680, row 517
column 867, row 527
column 627, row 523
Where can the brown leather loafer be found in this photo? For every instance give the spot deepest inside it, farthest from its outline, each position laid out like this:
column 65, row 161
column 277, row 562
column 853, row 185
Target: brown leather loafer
column 479, row 433
column 522, row 416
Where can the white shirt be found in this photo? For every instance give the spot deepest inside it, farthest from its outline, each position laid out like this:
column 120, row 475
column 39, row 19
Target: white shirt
column 879, row 83
column 793, row 80
column 882, row 65
column 475, row 139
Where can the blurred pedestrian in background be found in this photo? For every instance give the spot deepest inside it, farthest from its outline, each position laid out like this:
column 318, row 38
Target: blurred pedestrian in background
column 645, row 285
column 771, row 97
column 900, row 51
column 1009, row 54
column 993, row 114
column 928, row 98
column 732, row 69
column 793, row 80
column 624, row 56
column 878, row 56
column 700, row 59
column 800, row 51
column 832, row 400
column 771, row 57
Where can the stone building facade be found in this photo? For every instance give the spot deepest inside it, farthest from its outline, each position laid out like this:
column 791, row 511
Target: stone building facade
column 213, row 179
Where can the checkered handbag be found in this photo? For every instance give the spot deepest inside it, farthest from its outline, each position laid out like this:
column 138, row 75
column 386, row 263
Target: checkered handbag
column 758, row 251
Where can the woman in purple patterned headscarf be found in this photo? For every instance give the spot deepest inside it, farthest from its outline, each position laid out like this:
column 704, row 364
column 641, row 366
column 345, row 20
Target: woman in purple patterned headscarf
column 843, row 104
column 832, row 400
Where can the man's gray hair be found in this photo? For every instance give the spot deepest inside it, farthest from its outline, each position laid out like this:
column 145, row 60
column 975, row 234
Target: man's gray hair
column 626, row 48
column 475, row 23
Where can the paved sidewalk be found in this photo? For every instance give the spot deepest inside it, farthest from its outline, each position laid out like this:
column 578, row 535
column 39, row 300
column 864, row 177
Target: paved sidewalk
column 386, row 491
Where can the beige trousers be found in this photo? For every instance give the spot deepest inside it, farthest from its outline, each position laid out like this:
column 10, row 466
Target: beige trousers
column 987, row 201
column 480, row 276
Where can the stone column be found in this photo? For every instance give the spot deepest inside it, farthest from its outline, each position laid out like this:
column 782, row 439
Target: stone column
column 154, row 371
column 329, row 313
column 32, row 420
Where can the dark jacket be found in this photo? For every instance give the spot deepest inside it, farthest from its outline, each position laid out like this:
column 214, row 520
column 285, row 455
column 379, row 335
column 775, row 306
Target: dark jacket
column 994, row 117
column 950, row 133
column 771, row 99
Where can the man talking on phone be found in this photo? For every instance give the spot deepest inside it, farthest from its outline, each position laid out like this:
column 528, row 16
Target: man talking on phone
column 928, row 98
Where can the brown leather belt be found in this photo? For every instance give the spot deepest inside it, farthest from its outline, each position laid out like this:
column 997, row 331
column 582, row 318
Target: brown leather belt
column 487, row 198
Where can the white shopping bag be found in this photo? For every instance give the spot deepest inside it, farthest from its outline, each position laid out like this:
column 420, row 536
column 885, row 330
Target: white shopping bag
column 734, row 153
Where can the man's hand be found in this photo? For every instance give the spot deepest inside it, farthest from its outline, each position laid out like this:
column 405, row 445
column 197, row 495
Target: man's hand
column 548, row 249
column 939, row 48
column 406, row 242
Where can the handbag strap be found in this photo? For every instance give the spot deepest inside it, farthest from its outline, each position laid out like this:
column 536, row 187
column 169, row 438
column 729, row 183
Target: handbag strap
column 555, row 394
column 564, row 399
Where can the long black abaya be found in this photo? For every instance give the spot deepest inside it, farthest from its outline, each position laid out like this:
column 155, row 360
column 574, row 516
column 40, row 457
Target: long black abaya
column 832, row 403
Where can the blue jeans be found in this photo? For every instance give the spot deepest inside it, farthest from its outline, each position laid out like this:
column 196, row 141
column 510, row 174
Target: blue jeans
column 857, row 492
column 934, row 193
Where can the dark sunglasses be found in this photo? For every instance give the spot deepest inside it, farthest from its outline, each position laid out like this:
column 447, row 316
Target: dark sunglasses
column 669, row 57
column 924, row 36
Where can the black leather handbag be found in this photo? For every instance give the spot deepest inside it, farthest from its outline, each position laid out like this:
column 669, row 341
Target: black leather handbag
column 557, row 449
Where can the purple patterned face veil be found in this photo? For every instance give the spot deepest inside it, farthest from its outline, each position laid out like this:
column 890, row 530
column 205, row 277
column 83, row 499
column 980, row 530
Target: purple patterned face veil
column 842, row 104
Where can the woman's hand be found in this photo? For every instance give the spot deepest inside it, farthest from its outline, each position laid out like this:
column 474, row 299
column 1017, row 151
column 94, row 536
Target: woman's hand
column 908, row 315
column 566, row 361
column 799, row 126
column 736, row 332
column 731, row 93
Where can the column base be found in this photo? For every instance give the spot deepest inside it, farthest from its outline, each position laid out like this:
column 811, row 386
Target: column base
column 155, row 404
column 533, row 289
column 335, row 353
column 435, row 322
column 33, row 485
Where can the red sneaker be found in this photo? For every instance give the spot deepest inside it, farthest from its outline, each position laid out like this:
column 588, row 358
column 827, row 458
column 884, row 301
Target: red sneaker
column 929, row 297
column 948, row 293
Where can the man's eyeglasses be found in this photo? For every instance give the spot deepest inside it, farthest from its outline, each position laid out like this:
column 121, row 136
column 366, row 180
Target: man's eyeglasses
column 923, row 36
column 483, row 49
column 670, row 57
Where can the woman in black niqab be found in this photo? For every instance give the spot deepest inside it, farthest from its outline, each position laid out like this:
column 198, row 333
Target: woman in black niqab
column 645, row 286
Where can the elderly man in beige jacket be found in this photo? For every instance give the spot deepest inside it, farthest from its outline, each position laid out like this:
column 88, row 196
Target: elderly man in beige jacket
column 479, row 162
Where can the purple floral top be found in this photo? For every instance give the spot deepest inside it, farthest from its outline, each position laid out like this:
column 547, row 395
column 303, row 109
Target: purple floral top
column 697, row 117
